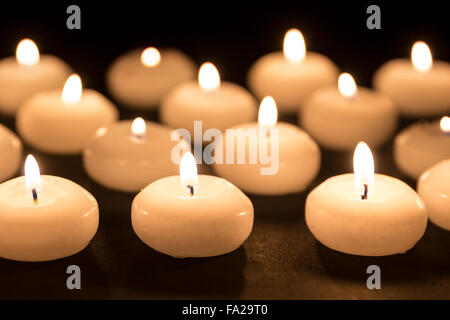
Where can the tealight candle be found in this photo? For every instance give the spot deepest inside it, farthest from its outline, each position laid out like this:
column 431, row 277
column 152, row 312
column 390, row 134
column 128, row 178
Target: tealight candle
column 64, row 122
column 294, row 156
column 44, row 217
column 28, row 73
column 434, row 188
column 10, row 153
column 218, row 105
column 127, row 155
column 422, row 145
column 364, row 213
column 141, row 78
column 420, row 88
column 192, row 216
column 338, row 118
column 290, row 76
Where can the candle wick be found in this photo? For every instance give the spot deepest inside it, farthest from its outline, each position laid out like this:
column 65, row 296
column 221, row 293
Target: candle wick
column 366, row 189
column 35, row 197
column 191, row 190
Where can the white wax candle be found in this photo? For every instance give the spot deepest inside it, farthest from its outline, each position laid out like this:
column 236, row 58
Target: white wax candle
column 290, row 76
column 64, row 122
column 141, row 78
column 420, row 88
column 28, row 73
column 218, row 105
column 338, row 118
column 216, row 218
column 434, row 188
column 10, row 153
column 422, row 145
column 60, row 222
column 389, row 220
column 298, row 160
column 127, row 155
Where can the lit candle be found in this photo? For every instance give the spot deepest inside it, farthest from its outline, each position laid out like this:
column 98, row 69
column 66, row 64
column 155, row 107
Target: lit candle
column 339, row 117
column 10, row 153
column 142, row 77
column 290, row 76
column 434, row 188
column 192, row 216
column 420, row 87
column 128, row 155
column 293, row 157
column 44, row 217
column 63, row 122
column 28, row 73
column 422, row 145
column 364, row 213
column 217, row 104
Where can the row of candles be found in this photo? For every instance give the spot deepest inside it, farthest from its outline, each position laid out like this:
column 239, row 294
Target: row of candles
column 48, row 217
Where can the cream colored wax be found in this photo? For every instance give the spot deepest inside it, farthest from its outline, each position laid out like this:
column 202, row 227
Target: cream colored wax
column 292, row 75
column 434, row 188
column 141, row 78
column 10, row 153
column 27, row 74
column 64, row 122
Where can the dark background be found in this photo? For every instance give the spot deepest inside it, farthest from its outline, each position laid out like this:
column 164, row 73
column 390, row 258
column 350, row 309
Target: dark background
column 281, row 259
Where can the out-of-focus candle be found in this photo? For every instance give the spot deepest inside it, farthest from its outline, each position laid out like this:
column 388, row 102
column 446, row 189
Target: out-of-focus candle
column 128, row 155
column 290, row 76
column 217, row 104
column 28, row 73
column 434, row 188
column 44, row 217
column 340, row 117
column 64, row 122
column 364, row 213
column 142, row 77
column 10, row 153
column 293, row 157
column 420, row 86
column 192, row 216
column 422, row 145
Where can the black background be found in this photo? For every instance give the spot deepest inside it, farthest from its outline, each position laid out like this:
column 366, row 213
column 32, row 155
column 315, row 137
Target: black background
column 281, row 259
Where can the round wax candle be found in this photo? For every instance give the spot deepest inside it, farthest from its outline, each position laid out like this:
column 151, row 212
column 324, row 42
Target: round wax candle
column 434, row 188
column 420, row 88
column 294, row 156
column 384, row 218
column 10, row 153
column 339, row 119
column 216, row 218
column 290, row 76
column 64, row 123
column 28, row 73
column 127, row 155
column 217, row 105
column 60, row 223
column 422, row 145
column 141, row 78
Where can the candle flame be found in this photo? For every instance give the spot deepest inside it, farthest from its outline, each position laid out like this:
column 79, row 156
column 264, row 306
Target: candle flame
column 150, row 57
column 268, row 113
column 208, row 77
column 363, row 167
column 188, row 173
column 347, row 86
column 72, row 89
column 27, row 53
column 32, row 174
column 421, row 56
column 138, row 127
column 294, row 48
column 445, row 124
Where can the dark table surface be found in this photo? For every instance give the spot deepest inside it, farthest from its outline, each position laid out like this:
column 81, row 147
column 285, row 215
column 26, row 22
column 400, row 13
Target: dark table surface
column 280, row 260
